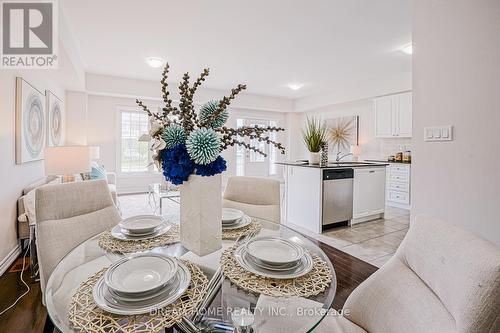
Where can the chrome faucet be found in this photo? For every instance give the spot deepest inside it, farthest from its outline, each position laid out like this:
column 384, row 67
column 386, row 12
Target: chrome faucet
column 339, row 156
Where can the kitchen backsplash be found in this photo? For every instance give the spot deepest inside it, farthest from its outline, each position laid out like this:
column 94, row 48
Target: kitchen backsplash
column 391, row 146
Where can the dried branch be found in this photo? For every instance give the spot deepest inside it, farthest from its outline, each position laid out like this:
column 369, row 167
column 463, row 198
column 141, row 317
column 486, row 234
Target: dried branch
column 146, row 109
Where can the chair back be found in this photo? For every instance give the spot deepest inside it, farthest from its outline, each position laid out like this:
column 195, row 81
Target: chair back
column 462, row 269
column 68, row 214
column 256, row 196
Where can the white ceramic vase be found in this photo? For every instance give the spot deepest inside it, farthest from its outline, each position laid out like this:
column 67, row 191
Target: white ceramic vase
column 314, row 158
column 201, row 214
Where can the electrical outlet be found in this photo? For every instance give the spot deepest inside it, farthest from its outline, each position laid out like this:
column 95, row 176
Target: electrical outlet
column 438, row 133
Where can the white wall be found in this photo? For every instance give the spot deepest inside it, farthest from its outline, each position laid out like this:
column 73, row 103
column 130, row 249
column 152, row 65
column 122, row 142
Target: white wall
column 456, row 81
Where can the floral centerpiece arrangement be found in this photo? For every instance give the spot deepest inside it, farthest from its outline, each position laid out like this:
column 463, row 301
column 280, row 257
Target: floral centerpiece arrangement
column 188, row 142
column 187, row 145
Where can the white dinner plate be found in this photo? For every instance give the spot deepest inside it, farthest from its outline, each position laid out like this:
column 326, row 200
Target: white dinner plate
column 305, row 265
column 105, row 301
column 274, row 250
column 243, row 222
column 141, row 224
column 141, row 273
column 118, row 233
column 231, row 214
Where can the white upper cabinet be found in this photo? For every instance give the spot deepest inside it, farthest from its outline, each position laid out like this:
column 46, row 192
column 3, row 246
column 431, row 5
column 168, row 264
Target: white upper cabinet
column 393, row 116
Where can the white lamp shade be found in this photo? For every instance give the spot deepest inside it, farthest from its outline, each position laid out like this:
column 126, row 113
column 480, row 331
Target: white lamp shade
column 67, row 160
column 355, row 150
column 95, row 152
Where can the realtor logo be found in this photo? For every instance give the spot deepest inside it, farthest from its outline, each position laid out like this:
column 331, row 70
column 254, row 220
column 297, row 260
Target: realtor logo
column 29, row 34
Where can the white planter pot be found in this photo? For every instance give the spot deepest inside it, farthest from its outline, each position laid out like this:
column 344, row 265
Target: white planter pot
column 314, row 158
column 201, row 214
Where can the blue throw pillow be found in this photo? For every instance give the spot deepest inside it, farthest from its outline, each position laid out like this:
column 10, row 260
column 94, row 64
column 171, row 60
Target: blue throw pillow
column 97, row 172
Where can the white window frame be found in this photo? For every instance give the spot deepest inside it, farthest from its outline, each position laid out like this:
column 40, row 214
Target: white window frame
column 119, row 111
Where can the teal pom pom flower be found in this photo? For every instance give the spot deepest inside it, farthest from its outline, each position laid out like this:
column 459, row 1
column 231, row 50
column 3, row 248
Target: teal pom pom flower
column 208, row 109
column 173, row 135
column 203, row 145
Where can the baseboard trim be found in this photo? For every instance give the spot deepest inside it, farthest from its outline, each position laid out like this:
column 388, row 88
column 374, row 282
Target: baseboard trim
column 9, row 259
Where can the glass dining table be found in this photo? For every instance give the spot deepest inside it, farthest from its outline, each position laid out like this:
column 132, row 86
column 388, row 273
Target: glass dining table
column 213, row 313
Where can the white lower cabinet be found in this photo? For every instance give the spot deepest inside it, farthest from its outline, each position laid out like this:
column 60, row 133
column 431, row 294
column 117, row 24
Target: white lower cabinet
column 368, row 193
column 398, row 185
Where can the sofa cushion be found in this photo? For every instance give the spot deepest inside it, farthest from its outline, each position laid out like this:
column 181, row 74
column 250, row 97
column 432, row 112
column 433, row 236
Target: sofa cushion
column 394, row 299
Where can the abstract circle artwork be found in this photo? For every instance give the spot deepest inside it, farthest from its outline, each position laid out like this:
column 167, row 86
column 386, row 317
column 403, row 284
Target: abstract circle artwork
column 34, row 125
column 55, row 123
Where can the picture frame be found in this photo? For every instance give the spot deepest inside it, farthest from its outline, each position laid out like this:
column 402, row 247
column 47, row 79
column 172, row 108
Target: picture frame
column 55, row 120
column 30, row 122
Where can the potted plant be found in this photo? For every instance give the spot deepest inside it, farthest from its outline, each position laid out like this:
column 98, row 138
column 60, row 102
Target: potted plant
column 187, row 144
column 314, row 136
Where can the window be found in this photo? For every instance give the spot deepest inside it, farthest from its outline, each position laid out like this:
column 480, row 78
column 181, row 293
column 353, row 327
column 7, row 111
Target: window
column 135, row 154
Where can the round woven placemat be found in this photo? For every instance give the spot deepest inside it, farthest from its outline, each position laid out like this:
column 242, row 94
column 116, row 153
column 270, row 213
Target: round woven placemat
column 253, row 227
column 311, row 284
column 85, row 316
column 111, row 244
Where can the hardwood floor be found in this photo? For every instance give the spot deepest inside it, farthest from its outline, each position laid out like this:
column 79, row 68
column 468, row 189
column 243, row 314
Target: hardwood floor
column 29, row 315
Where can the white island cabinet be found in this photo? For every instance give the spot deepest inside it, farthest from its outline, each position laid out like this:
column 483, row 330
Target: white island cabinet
column 368, row 194
column 305, row 196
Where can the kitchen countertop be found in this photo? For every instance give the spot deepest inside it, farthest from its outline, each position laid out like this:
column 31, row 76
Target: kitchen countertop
column 335, row 165
column 385, row 161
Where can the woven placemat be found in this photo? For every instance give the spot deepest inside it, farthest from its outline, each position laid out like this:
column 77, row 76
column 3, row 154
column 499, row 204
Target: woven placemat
column 311, row 284
column 253, row 227
column 111, row 244
column 85, row 316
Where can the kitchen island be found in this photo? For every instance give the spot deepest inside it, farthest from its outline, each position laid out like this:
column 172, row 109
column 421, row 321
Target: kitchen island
column 317, row 198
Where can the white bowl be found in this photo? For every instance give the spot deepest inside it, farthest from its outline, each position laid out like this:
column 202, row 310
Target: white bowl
column 141, row 224
column 141, row 273
column 274, row 250
column 230, row 214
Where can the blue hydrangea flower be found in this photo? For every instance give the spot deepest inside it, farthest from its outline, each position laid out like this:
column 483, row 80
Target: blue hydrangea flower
column 176, row 164
column 213, row 168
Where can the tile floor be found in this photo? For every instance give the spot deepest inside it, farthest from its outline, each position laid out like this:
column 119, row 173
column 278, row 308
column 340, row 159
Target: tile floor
column 374, row 242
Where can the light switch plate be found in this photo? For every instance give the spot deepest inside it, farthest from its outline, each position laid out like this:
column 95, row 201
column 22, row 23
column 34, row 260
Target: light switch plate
column 438, row 133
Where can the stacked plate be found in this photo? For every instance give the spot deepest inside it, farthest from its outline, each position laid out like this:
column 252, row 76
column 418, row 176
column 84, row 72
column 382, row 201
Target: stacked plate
column 140, row 227
column 274, row 257
column 234, row 219
column 141, row 283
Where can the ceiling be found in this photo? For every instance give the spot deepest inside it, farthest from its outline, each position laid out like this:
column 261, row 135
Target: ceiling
column 322, row 44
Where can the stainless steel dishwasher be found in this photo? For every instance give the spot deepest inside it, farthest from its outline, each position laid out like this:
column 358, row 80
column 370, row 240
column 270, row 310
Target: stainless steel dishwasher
column 337, row 195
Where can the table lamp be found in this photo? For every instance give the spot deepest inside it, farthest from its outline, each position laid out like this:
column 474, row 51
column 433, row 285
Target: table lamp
column 67, row 161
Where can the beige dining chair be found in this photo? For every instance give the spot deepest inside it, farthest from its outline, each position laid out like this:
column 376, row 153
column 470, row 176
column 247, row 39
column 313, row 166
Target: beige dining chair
column 68, row 214
column 442, row 279
column 256, row 196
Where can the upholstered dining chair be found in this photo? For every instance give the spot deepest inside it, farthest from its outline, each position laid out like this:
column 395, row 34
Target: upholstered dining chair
column 257, row 197
column 68, row 214
column 442, row 279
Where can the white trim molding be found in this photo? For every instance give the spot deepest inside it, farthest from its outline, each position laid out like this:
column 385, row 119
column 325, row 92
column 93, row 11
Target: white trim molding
column 9, row 259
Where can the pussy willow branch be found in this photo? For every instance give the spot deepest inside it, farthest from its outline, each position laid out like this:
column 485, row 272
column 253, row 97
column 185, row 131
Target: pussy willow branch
column 150, row 114
column 258, row 133
column 233, row 142
column 224, row 103
column 164, row 89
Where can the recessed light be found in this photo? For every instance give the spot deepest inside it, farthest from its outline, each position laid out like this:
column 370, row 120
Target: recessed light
column 155, row 62
column 408, row 48
column 295, row 86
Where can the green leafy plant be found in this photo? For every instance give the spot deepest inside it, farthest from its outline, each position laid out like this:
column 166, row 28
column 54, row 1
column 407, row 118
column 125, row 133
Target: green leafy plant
column 314, row 135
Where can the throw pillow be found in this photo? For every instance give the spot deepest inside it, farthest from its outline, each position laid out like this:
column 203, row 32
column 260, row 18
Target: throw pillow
column 97, row 172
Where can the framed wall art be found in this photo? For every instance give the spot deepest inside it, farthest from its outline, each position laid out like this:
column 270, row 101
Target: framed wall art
column 30, row 122
column 55, row 118
column 342, row 133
